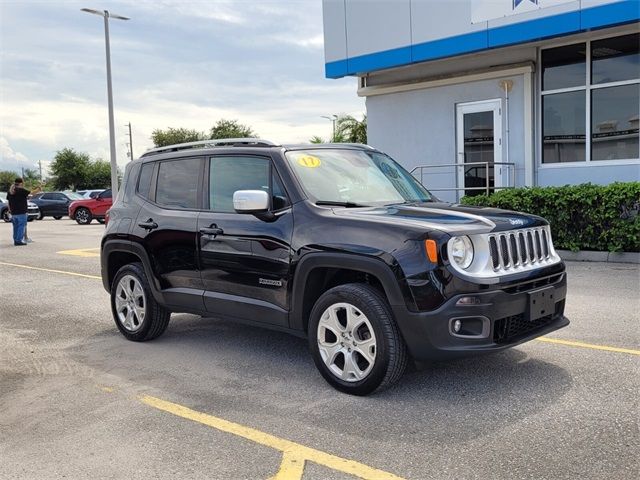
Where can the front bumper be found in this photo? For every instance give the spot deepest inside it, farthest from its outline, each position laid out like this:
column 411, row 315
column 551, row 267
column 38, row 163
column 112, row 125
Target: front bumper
column 502, row 319
column 33, row 213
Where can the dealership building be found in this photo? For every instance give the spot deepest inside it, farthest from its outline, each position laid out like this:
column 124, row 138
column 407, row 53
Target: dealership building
column 474, row 95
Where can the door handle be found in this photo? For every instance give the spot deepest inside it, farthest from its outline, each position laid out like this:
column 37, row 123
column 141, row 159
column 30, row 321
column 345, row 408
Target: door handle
column 212, row 230
column 148, row 225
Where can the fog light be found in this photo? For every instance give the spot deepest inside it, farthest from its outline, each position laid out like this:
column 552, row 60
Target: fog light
column 457, row 325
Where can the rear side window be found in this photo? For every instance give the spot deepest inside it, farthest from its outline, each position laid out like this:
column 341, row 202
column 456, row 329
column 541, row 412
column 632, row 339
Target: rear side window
column 229, row 174
column 178, row 183
column 144, row 182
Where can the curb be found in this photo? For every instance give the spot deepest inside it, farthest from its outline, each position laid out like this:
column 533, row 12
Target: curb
column 611, row 257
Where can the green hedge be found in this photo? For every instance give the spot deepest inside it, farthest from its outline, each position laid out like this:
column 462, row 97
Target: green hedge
column 582, row 217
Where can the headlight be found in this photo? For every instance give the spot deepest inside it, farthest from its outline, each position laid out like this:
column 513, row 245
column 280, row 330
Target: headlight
column 461, row 251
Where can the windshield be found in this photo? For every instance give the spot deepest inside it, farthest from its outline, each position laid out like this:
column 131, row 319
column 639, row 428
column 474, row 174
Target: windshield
column 74, row 195
column 354, row 177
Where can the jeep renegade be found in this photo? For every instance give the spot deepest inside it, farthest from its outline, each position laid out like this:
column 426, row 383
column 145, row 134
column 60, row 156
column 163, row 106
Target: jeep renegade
column 334, row 242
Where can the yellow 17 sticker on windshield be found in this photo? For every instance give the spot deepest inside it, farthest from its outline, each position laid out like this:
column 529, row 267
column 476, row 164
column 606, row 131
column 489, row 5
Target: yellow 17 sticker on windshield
column 309, row 161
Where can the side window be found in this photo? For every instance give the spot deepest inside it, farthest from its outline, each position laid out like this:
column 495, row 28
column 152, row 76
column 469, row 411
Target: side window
column 144, row 181
column 105, row 194
column 59, row 196
column 229, row 174
column 178, row 183
column 47, row 196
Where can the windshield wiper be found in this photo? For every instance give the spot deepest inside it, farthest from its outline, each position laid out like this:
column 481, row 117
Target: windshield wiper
column 339, row 204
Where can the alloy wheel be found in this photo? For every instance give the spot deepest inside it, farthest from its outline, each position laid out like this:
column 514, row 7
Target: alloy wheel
column 346, row 342
column 130, row 303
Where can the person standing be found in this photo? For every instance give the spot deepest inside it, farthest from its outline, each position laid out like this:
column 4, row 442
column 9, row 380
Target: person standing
column 17, row 198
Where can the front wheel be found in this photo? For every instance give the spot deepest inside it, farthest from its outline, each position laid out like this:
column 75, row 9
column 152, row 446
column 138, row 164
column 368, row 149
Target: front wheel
column 40, row 216
column 83, row 216
column 136, row 313
column 6, row 216
column 355, row 341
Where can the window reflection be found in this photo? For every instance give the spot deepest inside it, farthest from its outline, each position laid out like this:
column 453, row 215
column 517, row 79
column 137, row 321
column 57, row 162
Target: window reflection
column 563, row 127
column 564, row 67
column 615, row 59
column 614, row 122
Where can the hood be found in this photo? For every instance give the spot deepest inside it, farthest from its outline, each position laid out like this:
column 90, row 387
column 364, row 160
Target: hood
column 446, row 217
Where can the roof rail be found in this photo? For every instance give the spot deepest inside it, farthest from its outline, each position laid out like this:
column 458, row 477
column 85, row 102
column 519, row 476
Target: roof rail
column 218, row 142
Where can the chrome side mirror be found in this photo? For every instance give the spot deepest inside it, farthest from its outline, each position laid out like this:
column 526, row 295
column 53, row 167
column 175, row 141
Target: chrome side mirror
column 250, row 201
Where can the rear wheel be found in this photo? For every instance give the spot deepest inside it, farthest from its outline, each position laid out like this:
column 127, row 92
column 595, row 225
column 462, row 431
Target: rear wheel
column 136, row 313
column 355, row 341
column 83, row 216
column 100, row 221
column 57, row 217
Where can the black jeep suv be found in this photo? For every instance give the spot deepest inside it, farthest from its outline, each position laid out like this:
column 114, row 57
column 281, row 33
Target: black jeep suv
column 336, row 243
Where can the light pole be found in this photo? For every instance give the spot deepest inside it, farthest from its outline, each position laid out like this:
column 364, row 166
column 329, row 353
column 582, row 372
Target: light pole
column 112, row 135
column 333, row 119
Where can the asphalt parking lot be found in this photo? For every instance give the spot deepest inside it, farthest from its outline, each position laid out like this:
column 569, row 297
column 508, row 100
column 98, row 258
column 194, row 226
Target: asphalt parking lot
column 212, row 399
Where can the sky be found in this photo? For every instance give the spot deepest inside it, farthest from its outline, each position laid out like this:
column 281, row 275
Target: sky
column 174, row 64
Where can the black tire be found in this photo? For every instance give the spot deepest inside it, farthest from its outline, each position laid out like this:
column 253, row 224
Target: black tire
column 100, row 221
column 57, row 217
column 40, row 216
column 391, row 356
column 83, row 216
column 6, row 216
column 30, row 219
column 156, row 317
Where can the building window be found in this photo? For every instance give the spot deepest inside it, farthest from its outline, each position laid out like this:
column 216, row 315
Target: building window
column 591, row 101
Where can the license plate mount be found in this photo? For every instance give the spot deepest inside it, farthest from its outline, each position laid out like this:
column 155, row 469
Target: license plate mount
column 541, row 303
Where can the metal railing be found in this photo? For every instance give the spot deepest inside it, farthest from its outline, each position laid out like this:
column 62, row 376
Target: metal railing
column 418, row 172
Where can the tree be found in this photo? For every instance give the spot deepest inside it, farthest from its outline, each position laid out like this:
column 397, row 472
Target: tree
column 69, row 169
column 351, row 130
column 98, row 175
column 7, row 178
column 172, row 136
column 316, row 139
column 230, row 129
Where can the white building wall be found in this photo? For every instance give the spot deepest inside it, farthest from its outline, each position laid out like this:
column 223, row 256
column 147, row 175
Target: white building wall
column 403, row 124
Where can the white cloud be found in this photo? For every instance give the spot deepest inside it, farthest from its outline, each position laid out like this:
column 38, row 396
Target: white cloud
column 10, row 159
column 175, row 64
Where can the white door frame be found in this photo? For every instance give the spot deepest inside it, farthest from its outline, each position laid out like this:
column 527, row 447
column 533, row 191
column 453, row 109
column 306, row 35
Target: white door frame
column 493, row 105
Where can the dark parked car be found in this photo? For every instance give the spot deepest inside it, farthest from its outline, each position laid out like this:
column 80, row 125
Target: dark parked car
column 32, row 209
column 336, row 243
column 54, row 204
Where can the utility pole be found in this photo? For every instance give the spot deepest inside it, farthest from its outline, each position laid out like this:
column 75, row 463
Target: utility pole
column 23, row 173
column 40, row 166
column 130, row 142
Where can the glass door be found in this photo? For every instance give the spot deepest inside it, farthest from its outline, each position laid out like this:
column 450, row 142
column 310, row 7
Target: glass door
column 479, row 146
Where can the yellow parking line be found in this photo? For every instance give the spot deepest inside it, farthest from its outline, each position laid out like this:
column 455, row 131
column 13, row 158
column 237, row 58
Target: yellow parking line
column 82, row 252
column 294, row 454
column 50, row 270
column 573, row 343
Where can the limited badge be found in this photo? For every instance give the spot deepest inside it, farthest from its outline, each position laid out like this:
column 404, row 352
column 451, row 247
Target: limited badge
column 309, row 161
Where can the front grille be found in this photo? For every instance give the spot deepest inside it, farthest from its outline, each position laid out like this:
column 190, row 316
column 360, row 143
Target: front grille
column 534, row 284
column 511, row 329
column 520, row 249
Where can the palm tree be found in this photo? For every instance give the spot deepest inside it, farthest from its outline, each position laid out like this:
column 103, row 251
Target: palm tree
column 351, row 130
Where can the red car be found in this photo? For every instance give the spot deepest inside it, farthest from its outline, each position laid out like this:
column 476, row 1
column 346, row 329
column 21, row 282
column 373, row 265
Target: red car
column 85, row 210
